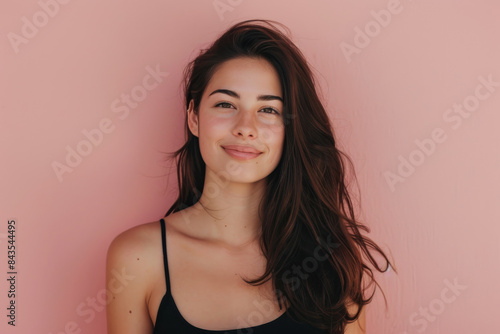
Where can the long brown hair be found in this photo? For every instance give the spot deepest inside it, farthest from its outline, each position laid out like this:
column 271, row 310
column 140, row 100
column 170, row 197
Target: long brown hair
column 317, row 258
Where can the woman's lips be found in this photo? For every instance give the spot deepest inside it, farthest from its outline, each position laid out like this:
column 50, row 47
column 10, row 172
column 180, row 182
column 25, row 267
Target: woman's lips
column 241, row 152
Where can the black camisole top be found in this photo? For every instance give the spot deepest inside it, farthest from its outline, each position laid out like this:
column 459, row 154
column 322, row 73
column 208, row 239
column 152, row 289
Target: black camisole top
column 170, row 321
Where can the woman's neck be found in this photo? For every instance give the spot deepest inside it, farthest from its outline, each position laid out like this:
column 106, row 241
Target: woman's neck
column 228, row 213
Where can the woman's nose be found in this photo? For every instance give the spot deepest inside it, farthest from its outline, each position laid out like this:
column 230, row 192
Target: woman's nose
column 245, row 125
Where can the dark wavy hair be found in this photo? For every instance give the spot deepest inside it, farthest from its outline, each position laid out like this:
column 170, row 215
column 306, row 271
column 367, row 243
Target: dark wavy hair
column 306, row 209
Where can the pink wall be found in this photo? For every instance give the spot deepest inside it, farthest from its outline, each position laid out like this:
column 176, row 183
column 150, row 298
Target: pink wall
column 394, row 95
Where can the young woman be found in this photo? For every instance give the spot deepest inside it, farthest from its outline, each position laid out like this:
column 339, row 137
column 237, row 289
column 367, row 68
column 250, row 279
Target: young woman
column 263, row 236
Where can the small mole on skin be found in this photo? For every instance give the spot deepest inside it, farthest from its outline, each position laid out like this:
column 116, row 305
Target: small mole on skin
column 137, row 259
column 225, row 225
column 130, row 311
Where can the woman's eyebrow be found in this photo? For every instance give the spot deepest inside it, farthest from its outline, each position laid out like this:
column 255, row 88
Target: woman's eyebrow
column 235, row 95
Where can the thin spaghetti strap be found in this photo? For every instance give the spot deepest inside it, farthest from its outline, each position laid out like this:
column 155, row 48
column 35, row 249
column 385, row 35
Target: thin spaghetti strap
column 165, row 261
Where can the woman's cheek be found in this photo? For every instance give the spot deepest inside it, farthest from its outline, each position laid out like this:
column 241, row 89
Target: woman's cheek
column 274, row 132
column 216, row 125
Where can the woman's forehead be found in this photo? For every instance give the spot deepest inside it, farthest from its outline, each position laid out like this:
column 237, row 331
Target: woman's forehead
column 246, row 76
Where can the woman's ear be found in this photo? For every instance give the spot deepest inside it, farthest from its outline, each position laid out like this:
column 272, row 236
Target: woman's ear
column 192, row 119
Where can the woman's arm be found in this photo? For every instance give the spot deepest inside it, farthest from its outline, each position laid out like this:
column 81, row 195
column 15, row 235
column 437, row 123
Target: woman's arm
column 127, row 284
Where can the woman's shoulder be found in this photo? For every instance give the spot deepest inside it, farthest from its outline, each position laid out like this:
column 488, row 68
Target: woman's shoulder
column 134, row 265
column 135, row 239
column 136, row 251
column 142, row 243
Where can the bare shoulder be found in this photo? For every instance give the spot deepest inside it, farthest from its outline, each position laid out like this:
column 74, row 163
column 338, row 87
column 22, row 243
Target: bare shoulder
column 131, row 267
column 142, row 242
column 136, row 250
column 136, row 239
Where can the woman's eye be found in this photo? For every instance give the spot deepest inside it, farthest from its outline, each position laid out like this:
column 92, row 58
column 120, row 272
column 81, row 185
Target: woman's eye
column 270, row 111
column 267, row 110
column 224, row 105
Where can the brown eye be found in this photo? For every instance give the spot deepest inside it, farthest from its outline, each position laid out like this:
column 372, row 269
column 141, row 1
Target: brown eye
column 224, row 105
column 270, row 110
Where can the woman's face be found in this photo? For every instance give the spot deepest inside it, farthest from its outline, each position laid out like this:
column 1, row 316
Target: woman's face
column 240, row 120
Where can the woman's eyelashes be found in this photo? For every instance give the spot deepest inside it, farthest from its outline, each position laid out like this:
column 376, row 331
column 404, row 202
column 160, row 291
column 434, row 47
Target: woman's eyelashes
column 266, row 110
column 224, row 105
column 269, row 110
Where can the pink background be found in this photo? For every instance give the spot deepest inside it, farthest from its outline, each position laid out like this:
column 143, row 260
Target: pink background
column 440, row 220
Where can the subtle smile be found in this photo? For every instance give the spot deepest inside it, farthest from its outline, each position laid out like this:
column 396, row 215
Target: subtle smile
column 241, row 152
